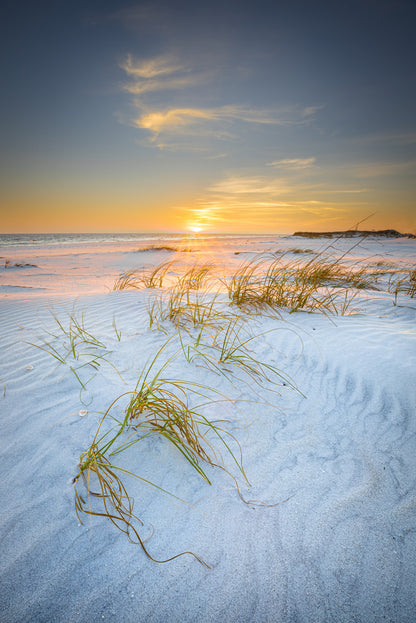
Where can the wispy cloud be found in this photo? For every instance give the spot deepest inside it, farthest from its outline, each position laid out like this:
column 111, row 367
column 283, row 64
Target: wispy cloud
column 212, row 122
column 159, row 66
column 212, row 213
column 264, row 187
column 217, row 156
column 258, row 185
column 157, row 74
column 146, row 77
column 310, row 111
column 270, row 199
column 343, row 191
column 293, row 163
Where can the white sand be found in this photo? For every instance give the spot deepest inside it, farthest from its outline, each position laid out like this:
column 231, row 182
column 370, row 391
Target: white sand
column 341, row 549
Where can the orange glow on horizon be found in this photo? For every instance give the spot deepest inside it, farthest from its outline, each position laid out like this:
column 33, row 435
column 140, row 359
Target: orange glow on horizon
column 45, row 212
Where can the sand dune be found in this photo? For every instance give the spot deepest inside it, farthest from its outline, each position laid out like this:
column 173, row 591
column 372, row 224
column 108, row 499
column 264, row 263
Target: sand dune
column 339, row 455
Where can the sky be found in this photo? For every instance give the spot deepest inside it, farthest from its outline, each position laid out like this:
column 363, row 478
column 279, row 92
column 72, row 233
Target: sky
column 244, row 117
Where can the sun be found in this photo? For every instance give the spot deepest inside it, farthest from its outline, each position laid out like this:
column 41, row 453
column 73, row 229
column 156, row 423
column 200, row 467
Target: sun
column 195, row 228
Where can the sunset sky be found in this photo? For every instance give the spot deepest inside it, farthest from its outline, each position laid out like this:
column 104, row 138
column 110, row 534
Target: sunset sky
column 251, row 117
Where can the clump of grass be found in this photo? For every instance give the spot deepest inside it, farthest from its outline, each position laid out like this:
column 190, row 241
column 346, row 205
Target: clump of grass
column 403, row 285
column 184, row 305
column 185, row 309
column 8, row 264
column 158, row 406
column 275, row 283
column 296, row 251
column 72, row 345
column 412, row 283
column 117, row 505
column 127, row 280
column 182, row 248
column 160, row 248
column 227, row 352
column 137, row 278
column 194, row 277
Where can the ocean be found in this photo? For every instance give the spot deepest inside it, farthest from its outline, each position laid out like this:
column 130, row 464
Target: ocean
column 56, row 239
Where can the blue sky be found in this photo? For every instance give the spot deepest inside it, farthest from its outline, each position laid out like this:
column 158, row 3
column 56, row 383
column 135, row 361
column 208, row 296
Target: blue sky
column 238, row 116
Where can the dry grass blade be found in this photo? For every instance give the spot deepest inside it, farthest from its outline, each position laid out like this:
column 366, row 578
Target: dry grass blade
column 117, row 505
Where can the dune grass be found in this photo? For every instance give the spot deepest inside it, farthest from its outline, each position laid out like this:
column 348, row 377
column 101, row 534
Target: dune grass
column 76, row 348
column 268, row 281
column 139, row 278
column 183, row 248
column 264, row 283
column 195, row 277
column 227, row 352
column 158, row 248
column 184, row 309
column 170, row 409
column 117, row 505
column 116, row 330
column 297, row 251
column 212, row 332
column 158, row 406
column 319, row 285
column 412, row 283
column 405, row 284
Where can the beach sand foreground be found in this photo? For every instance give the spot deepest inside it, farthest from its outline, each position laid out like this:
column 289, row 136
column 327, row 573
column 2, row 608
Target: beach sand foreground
column 334, row 457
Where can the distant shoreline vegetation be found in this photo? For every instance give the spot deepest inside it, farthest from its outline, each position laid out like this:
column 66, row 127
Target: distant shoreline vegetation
column 354, row 233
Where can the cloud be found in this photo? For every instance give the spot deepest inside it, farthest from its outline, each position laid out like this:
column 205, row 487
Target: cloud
column 269, row 201
column 267, row 198
column 173, row 119
column 228, row 209
column 344, row 191
column 266, row 187
column 310, row 111
column 293, row 163
column 157, row 74
column 217, row 156
column 166, row 73
column 159, row 66
column 189, row 120
column 150, row 86
column 258, row 185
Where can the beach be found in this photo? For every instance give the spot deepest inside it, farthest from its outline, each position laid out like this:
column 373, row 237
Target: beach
column 306, row 510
